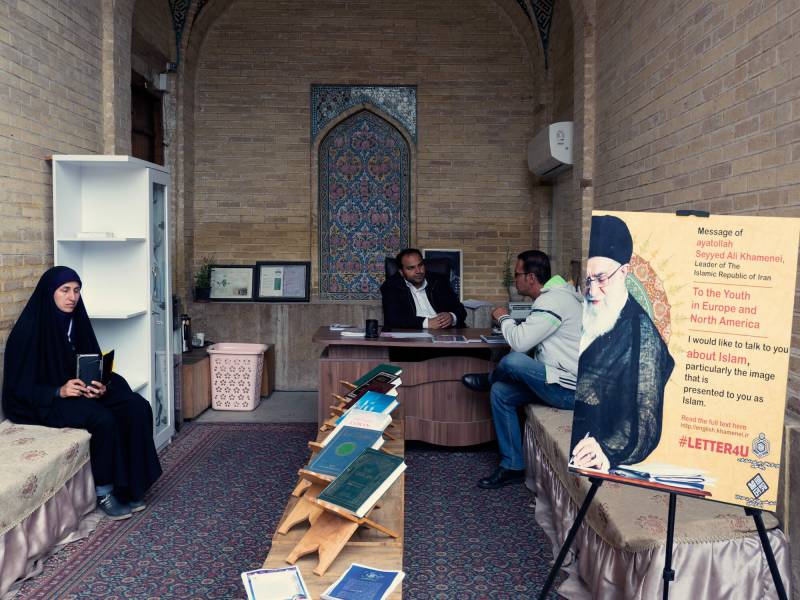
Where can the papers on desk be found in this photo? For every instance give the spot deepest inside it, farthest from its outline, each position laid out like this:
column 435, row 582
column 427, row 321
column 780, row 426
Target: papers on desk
column 352, row 333
column 400, row 335
column 340, row 326
column 275, row 584
column 493, row 339
column 449, row 339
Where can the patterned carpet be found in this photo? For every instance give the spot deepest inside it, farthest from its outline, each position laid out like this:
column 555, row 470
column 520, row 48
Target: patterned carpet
column 213, row 513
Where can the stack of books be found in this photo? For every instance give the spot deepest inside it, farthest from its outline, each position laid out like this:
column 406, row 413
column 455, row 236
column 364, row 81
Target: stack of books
column 350, row 457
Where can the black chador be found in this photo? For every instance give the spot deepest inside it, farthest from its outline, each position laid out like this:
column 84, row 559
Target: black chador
column 620, row 395
column 40, row 358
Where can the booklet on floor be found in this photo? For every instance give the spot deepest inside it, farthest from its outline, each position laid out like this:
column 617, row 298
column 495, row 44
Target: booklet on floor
column 275, row 584
column 360, row 582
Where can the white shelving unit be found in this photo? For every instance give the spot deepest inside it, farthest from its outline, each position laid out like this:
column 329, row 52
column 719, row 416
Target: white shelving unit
column 110, row 224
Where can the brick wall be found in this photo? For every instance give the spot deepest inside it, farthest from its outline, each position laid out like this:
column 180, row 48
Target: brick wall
column 698, row 106
column 253, row 180
column 50, row 102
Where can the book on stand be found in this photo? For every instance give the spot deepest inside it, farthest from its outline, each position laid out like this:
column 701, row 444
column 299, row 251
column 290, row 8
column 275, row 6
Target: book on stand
column 343, row 449
column 360, row 582
column 364, row 419
column 383, row 372
column 275, row 584
column 381, row 387
column 363, row 482
column 374, row 402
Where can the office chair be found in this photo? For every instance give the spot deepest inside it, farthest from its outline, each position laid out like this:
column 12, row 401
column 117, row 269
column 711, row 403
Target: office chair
column 440, row 266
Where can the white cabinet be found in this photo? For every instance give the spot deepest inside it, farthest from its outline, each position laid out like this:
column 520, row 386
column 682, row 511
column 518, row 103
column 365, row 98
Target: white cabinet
column 110, row 225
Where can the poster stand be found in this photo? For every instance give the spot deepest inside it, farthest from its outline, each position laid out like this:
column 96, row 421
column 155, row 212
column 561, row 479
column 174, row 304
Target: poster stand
column 669, row 572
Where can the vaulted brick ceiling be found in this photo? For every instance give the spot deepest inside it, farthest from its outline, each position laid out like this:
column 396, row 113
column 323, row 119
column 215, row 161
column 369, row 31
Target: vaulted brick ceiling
column 538, row 12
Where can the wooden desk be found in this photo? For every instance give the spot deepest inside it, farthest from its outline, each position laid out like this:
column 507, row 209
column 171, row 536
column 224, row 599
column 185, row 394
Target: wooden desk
column 435, row 405
column 367, row 546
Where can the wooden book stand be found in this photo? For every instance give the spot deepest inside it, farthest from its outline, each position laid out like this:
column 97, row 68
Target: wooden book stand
column 331, row 529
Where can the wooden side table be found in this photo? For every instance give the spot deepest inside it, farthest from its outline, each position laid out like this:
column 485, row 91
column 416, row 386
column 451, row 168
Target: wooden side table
column 195, row 383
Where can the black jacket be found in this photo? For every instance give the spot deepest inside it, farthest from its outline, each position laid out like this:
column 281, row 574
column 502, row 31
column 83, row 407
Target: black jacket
column 399, row 310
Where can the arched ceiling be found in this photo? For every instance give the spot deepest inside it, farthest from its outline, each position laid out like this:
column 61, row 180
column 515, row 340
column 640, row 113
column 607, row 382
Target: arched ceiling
column 538, row 12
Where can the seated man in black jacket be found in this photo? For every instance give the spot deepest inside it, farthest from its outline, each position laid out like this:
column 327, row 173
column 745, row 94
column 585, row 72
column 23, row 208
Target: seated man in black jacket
column 414, row 299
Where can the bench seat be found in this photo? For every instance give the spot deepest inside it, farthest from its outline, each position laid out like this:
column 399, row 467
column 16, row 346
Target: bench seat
column 46, row 488
column 620, row 546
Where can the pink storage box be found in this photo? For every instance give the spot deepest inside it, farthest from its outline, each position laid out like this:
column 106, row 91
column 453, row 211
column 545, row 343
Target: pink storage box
column 236, row 375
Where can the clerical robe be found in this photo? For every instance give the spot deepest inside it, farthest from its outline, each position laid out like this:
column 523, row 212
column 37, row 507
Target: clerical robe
column 619, row 398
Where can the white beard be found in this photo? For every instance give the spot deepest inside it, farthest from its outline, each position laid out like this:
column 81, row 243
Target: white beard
column 600, row 318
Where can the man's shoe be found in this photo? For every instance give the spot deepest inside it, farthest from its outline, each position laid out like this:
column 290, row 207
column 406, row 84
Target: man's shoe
column 137, row 505
column 502, row 477
column 114, row 509
column 478, row 382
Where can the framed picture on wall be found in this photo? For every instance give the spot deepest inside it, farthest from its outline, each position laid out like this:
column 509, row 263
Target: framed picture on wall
column 283, row 281
column 231, row 283
column 454, row 256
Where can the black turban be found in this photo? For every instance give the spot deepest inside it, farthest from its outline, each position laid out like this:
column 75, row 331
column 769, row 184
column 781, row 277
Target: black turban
column 610, row 238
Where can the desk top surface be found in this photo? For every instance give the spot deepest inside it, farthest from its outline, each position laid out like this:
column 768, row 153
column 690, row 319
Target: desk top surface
column 327, row 337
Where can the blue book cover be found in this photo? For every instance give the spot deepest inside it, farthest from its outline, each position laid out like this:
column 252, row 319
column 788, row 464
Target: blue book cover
column 343, row 449
column 363, row 583
column 376, row 402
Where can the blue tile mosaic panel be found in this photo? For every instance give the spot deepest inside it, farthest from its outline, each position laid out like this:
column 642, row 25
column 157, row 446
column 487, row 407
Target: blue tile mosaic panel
column 364, row 205
column 330, row 101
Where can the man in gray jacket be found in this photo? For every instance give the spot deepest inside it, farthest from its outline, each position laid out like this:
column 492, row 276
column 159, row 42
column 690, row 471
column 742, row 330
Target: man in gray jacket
column 553, row 329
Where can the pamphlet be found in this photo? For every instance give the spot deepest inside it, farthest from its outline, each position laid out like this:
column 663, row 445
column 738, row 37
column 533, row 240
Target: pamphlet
column 275, row 584
column 360, row 582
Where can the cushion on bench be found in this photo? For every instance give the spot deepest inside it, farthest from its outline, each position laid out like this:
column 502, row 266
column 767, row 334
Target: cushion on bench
column 634, row 518
column 35, row 462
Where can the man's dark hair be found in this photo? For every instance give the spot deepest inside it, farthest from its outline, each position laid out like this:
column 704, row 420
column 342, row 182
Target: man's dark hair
column 538, row 263
column 406, row 252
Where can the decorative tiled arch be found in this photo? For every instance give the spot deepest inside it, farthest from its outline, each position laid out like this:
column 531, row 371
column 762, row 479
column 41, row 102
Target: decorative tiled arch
column 397, row 101
column 364, row 204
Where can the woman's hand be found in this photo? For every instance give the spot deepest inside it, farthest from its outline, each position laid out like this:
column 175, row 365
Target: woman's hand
column 95, row 390
column 72, row 389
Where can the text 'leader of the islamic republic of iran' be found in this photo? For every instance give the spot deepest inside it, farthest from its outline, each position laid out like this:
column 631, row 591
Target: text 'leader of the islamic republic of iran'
column 624, row 363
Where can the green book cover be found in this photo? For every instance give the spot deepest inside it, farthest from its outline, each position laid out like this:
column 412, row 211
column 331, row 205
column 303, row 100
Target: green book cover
column 361, row 479
column 391, row 370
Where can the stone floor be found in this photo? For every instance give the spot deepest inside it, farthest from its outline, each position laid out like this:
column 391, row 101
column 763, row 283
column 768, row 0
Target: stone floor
column 278, row 407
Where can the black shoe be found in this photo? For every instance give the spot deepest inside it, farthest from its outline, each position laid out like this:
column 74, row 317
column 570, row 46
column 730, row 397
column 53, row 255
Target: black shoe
column 502, row 477
column 114, row 509
column 478, row 382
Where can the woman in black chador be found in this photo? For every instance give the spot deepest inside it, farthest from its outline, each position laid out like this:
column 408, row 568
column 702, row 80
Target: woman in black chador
column 40, row 388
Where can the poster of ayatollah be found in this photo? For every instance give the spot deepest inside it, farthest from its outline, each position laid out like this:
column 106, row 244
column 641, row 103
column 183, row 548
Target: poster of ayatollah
column 685, row 353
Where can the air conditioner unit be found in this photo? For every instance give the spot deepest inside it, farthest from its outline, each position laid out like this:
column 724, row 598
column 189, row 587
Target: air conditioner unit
column 550, row 151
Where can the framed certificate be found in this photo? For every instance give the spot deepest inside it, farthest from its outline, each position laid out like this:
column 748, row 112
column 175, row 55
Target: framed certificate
column 283, row 281
column 231, row 283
